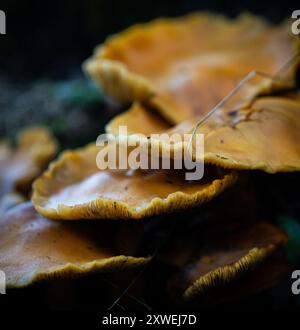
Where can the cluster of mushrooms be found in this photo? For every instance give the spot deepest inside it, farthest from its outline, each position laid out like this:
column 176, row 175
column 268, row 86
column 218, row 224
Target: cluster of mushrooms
column 171, row 73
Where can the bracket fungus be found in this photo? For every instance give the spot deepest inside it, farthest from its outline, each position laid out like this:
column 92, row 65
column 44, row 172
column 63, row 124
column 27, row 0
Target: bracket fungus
column 137, row 119
column 9, row 200
column 182, row 70
column 224, row 256
column 174, row 72
column 33, row 248
column 74, row 188
column 19, row 167
column 264, row 135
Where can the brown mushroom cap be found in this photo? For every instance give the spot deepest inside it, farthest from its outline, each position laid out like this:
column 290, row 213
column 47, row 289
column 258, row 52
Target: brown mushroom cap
column 265, row 275
column 33, row 248
column 9, row 200
column 74, row 188
column 183, row 67
column 265, row 135
column 19, row 167
column 137, row 119
column 213, row 258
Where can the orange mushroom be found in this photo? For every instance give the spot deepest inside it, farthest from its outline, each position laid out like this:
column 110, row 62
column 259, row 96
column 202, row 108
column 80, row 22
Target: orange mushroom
column 265, row 135
column 74, row 188
column 184, row 67
column 33, row 248
column 210, row 257
column 20, row 166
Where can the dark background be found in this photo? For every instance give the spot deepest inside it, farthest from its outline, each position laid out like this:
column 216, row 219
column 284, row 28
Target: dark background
column 41, row 82
column 52, row 38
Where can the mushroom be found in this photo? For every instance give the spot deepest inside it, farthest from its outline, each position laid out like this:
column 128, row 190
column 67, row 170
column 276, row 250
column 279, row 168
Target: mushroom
column 184, row 67
column 75, row 188
column 264, row 275
column 20, row 166
column 264, row 135
column 33, row 248
column 138, row 119
column 175, row 72
column 214, row 255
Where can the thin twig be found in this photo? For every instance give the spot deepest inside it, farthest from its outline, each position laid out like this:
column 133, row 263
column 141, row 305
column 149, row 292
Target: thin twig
column 121, row 307
column 128, row 287
column 129, row 295
column 157, row 249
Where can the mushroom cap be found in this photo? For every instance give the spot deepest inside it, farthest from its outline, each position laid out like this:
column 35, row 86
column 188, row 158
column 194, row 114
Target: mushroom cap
column 183, row 67
column 74, row 188
column 138, row 119
column 9, row 200
column 19, row 167
column 264, row 135
column 33, row 248
column 213, row 257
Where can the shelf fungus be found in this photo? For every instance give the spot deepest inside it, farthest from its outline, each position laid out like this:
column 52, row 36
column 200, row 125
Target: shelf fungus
column 75, row 188
column 33, row 248
column 183, row 67
column 19, row 167
column 227, row 262
column 138, row 119
column 264, row 135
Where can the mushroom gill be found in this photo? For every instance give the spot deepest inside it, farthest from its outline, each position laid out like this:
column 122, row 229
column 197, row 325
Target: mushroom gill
column 75, row 188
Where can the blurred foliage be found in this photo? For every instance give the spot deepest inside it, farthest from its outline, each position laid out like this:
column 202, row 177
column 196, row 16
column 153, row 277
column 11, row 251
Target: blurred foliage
column 77, row 92
column 73, row 109
column 292, row 227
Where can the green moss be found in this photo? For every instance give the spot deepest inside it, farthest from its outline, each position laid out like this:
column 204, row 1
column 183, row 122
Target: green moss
column 292, row 227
